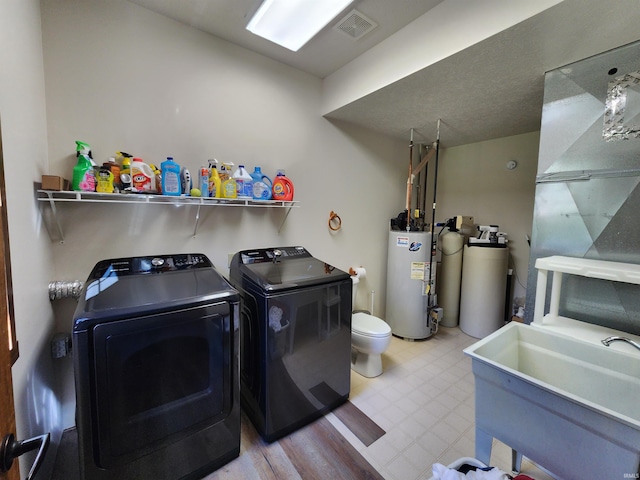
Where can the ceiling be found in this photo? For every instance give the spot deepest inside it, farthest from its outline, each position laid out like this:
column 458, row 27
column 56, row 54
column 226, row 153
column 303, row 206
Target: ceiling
column 321, row 56
column 492, row 89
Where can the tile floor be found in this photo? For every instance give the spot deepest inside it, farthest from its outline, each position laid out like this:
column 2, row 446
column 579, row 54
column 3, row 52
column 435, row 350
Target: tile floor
column 424, row 400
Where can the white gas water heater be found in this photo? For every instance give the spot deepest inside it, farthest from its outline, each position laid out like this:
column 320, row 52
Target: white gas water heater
column 411, row 277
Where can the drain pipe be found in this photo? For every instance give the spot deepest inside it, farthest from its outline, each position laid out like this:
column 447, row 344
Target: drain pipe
column 65, row 289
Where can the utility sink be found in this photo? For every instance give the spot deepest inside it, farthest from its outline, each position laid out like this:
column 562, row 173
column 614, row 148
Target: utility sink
column 553, row 392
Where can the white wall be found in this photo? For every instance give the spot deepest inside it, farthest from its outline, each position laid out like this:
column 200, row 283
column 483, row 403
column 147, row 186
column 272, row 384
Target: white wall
column 123, row 78
column 473, row 181
column 24, row 139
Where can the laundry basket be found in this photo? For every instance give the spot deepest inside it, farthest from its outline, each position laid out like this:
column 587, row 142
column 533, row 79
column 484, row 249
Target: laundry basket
column 464, row 461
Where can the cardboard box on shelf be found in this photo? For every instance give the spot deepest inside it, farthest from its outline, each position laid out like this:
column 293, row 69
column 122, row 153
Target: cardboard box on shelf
column 53, row 182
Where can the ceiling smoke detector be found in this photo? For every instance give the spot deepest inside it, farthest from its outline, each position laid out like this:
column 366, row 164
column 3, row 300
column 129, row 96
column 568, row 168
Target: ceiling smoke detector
column 355, row 24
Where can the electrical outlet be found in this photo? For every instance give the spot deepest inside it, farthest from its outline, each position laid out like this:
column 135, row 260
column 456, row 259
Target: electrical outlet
column 60, row 345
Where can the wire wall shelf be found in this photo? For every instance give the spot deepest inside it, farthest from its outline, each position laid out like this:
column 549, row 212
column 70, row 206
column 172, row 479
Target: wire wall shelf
column 52, row 197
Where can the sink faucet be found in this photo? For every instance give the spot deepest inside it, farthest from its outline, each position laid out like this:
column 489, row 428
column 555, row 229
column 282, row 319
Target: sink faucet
column 607, row 341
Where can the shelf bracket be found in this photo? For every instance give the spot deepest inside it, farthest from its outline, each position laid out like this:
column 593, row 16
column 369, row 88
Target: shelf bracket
column 195, row 228
column 284, row 219
column 54, row 213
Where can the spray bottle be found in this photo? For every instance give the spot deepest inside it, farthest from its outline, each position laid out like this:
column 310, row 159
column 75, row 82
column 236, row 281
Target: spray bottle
column 215, row 184
column 228, row 183
column 84, row 177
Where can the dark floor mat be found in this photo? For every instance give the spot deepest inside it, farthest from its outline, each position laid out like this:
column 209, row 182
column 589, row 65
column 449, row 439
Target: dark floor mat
column 360, row 425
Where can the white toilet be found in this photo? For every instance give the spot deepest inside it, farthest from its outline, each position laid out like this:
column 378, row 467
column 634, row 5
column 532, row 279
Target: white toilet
column 370, row 336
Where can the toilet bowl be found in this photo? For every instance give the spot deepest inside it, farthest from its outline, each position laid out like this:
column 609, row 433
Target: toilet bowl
column 370, row 337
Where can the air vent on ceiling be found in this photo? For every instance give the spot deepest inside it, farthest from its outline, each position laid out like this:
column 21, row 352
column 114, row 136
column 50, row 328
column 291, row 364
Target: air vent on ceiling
column 355, row 24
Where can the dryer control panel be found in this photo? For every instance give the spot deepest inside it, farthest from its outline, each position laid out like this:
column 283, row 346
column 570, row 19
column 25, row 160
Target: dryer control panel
column 149, row 264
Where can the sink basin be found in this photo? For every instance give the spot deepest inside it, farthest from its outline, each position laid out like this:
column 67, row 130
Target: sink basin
column 571, row 405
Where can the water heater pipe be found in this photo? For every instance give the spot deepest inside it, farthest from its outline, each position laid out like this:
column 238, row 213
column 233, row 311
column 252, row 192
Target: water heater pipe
column 373, row 292
column 433, row 211
column 409, row 182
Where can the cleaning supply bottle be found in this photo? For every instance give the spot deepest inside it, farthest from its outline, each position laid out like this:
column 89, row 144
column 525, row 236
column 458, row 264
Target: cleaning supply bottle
column 203, row 181
column 227, row 182
column 105, row 180
column 158, row 174
column 171, row 183
column 261, row 185
column 282, row 187
column 84, row 177
column 244, row 183
column 185, row 179
column 142, row 177
column 229, row 189
column 215, row 184
column 114, row 168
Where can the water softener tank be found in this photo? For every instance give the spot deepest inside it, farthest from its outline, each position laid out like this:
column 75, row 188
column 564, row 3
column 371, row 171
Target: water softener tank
column 483, row 289
column 451, row 244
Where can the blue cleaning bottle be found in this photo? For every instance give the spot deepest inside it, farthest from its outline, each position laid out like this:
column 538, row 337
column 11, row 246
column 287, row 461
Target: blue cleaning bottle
column 171, row 182
column 261, row 185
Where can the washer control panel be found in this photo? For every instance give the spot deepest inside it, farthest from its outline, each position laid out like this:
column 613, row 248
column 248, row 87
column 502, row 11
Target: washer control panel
column 275, row 254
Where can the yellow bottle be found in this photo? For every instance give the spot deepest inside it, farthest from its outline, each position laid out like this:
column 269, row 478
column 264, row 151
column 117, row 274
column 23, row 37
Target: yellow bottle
column 104, row 181
column 229, row 188
column 227, row 182
column 215, row 184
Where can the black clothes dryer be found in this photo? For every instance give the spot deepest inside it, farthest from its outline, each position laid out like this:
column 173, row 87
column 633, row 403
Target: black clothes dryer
column 295, row 337
column 156, row 368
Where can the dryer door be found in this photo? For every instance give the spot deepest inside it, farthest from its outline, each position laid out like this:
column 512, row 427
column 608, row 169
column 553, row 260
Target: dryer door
column 156, row 378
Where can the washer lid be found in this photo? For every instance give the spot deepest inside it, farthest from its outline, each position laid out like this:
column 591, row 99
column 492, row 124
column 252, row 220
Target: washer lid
column 283, row 268
column 369, row 325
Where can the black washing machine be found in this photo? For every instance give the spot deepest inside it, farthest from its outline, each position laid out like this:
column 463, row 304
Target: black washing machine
column 295, row 337
column 156, row 365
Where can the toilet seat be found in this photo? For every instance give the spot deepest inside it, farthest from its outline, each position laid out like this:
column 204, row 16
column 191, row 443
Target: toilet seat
column 369, row 326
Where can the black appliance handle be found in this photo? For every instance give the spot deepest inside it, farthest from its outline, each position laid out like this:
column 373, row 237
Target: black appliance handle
column 11, row 449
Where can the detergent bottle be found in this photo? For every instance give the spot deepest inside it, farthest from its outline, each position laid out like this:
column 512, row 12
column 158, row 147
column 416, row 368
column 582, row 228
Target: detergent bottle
column 143, row 179
column 227, row 182
column 215, row 184
column 171, row 182
column 282, row 187
column 114, row 168
column 229, row 189
column 84, row 176
column 261, row 185
column 104, row 182
column 244, row 183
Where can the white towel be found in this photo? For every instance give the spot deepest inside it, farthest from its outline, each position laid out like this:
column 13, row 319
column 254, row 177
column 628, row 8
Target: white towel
column 440, row 472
